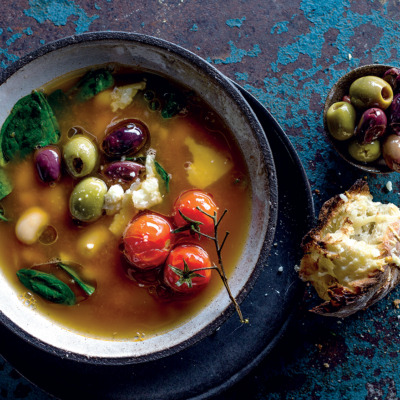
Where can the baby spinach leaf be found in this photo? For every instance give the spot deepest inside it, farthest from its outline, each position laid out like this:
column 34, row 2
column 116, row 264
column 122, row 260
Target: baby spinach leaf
column 47, row 286
column 5, row 184
column 59, row 102
column 92, row 83
column 88, row 289
column 31, row 124
column 173, row 104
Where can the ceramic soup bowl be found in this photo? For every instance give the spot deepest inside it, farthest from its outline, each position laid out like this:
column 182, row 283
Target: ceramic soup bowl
column 160, row 57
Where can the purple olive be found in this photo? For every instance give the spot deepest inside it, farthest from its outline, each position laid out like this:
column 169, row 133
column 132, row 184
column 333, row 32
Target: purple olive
column 372, row 125
column 391, row 152
column 123, row 171
column 390, row 76
column 126, row 137
column 394, row 115
column 48, row 164
column 346, row 98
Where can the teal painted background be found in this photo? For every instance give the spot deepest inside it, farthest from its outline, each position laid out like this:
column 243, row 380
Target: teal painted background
column 287, row 54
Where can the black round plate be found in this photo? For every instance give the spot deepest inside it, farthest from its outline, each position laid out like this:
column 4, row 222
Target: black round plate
column 218, row 361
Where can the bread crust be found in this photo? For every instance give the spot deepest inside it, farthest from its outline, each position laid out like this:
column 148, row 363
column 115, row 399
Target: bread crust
column 342, row 301
column 329, row 209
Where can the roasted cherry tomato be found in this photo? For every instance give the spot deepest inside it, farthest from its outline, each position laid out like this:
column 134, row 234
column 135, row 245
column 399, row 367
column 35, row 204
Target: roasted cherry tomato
column 147, row 241
column 187, row 204
column 183, row 271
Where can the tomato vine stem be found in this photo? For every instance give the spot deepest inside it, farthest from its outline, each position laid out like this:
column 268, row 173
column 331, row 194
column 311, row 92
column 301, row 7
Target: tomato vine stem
column 194, row 226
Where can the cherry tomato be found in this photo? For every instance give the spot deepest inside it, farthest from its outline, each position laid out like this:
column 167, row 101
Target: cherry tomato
column 187, row 204
column 181, row 272
column 147, row 240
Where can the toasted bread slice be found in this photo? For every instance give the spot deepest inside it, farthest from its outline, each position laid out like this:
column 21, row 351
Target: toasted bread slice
column 352, row 257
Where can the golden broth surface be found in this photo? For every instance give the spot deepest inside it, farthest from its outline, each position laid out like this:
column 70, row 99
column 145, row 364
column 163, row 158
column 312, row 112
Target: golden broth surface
column 120, row 307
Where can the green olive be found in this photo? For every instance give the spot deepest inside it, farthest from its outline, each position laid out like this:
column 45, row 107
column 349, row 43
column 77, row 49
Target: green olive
column 341, row 120
column 365, row 152
column 87, row 199
column 80, row 155
column 371, row 91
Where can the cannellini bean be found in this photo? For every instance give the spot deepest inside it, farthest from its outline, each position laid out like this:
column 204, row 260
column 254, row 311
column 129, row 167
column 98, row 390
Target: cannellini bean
column 31, row 224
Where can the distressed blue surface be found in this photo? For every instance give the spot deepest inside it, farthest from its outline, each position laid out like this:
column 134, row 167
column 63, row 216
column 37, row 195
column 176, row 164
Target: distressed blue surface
column 236, row 55
column 235, row 22
column 288, row 57
column 296, row 112
column 58, row 12
column 280, row 27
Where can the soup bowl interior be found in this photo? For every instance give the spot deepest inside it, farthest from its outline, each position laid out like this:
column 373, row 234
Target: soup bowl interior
column 153, row 55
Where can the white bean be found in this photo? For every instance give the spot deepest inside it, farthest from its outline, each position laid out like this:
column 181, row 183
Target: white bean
column 31, row 224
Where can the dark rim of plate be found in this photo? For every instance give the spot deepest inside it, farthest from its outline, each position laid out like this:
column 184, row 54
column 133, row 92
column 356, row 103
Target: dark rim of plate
column 271, row 196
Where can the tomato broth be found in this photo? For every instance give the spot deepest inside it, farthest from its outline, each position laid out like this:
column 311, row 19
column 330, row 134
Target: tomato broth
column 122, row 307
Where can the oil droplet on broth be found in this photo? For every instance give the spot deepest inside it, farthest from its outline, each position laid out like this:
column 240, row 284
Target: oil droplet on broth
column 28, row 300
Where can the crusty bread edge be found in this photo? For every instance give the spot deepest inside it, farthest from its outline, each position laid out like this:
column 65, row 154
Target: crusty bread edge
column 344, row 302
column 329, row 208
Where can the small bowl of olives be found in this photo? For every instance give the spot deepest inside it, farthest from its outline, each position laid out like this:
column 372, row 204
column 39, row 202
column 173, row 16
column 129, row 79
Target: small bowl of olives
column 362, row 118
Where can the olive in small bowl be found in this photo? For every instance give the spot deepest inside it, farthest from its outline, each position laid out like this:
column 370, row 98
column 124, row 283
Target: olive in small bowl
column 341, row 120
column 369, row 90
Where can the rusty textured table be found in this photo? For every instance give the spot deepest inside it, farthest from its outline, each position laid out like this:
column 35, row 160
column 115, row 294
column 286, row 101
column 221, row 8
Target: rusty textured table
column 287, row 54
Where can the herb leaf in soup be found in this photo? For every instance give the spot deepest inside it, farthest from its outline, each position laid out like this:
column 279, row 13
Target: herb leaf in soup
column 2, row 217
column 31, row 124
column 47, row 286
column 5, row 184
column 163, row 174
column 88, row 289
column 159, row 169
column 173, row 104
column 92, row 83
column 59, row 102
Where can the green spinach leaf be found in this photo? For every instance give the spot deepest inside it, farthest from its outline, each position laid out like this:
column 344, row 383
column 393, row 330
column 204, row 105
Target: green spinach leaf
column 59, row 103
column 31, row 124
column 47, row 286
column 5, row 184
column 92, row 83
column 173, row 104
